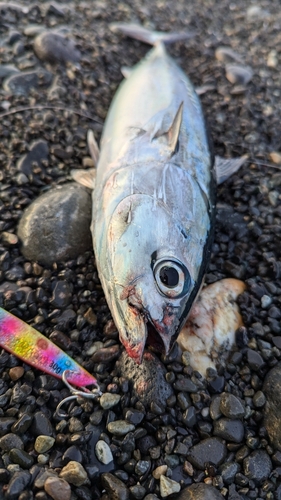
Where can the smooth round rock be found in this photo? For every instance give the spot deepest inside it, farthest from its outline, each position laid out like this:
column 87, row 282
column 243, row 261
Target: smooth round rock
column 200, row 491
column 56, row 226
column 109, row 400
column 103, row 452
column 57, row 488
column 231, row 430
column 238, row 74
column 10, row 441
column 209, row 450
column 21, row 458
column 18, row 482
column 231, row 406
column 120, row 427
column 148, row 379
column 38, row 151
column 257, row 466
column 115, row 488
column 43, row 443
column 55, row 48
column 74, row 473
column 41, row 425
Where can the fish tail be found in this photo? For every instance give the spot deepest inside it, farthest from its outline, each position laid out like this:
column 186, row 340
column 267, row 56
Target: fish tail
column 147, row 36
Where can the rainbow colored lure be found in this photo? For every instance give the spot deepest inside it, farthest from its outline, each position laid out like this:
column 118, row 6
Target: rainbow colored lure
column 37, row 350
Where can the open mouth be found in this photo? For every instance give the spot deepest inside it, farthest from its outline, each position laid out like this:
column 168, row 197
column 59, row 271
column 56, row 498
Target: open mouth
column 153, row 339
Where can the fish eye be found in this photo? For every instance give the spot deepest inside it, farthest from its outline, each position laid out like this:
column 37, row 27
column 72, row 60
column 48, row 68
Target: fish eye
column 172, row 277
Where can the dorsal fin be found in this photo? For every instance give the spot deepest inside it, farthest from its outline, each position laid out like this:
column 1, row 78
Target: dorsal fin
column 172, row 134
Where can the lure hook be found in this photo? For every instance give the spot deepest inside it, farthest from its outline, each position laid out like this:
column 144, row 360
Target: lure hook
column 83, row 392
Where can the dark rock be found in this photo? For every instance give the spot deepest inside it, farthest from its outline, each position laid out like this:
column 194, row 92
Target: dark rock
column 55, row 227
column 148, row 379
column 257, row 466
column 209, row 450
column 55, row 48
column 228, row 472
column 61, row 295
column 6, row 424
column 72, row 453
column 137, row 491
column 189, row 417
column 185, row 385
column 200, row 491
column 216, row 385
column 231, row 406
column 272, row 413
column 115, row 488
column 10, row 441
column 134, row 416
column 39, row 151
column 254, row 360
column 21, row 457
column 106, row 354
column 41, row 425
column 23, row 83
column 145, row 443
column 18, row 482
column 231, row 430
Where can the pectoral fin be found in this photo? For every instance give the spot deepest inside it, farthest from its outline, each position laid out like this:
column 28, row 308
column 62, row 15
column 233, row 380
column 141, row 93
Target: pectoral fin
column 93, row 147
column 226, row 167
column 85, row 177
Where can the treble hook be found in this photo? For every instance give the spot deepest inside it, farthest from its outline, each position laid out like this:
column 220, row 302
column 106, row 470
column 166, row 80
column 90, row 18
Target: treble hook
column 83, row 392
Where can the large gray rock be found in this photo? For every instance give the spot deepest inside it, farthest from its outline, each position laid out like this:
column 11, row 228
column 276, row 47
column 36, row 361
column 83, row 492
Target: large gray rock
column 147, row 379
column 272, row 414
column 56, row 226
column 22, row 83
column 55, row 48
column 209, row 450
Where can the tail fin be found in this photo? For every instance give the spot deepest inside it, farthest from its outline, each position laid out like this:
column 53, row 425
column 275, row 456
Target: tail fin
column 150, row 37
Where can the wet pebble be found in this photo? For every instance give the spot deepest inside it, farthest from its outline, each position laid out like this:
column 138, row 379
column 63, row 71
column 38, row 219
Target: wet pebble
column 62, row 295
column 41, row 425
column 6, row 424
column 73, row 453
column 231, row 430
column 43, row 443
column 103, row 452
column 55, row 48
column 231, row 406
column 227, row 55
column 74, row 473
column 18, row 482
column 208, row 450
column 115, row 488
column 57, row 488
column 257, row 466
column 168, row 486
column 272, row 416
column 23, row 83
column 254, row 359
column 118, row 428
column 21, row 457
column 137, row 492
column 10, row 441
column 16, row 373
column 61, row 211
column 109, row 400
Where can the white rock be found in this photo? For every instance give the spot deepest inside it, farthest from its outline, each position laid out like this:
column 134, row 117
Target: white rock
column 108, row 400
column 266, row 301
column 103, row 452
column 159, row 471
column 168, row 486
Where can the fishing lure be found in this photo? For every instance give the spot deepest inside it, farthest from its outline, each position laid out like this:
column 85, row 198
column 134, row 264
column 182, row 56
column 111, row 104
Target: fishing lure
column 38, row 351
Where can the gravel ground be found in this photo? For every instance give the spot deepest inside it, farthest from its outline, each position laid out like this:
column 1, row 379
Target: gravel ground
column 212, row 438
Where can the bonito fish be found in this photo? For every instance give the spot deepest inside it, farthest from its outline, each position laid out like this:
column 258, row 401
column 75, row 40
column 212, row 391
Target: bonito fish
column 153, row 200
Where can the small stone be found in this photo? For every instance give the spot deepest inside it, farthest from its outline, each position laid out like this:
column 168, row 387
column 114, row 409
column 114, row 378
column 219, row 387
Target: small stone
column 238, row 74
column 21, row 458
column 57, row 488
column 62, row 295
column 119, row 427
column 228, row 472
column 137, row 491
column 16, row 373
column 106, row 354
column 159, row 471
column 254, row 359
column 115, row 488
column 41, row 425
column 22, row 424
column 257, row 466
column 103, row 452
column 73, row 453
column 55, row 227
column 231, row 430
column 55, row 48
column 18, row 482
column 109, row 400
column 74, row 473
column 7, row 70
column 231, row 406
column 5, row 425
column 10, row 441
column 275, row 157
column 209, row 450
column 259, row 399
column 266, row 301
column 43, row 443
column 168, row 486
column 23, row 83
column 134, row 416
column 91, row 317
column 142, row 467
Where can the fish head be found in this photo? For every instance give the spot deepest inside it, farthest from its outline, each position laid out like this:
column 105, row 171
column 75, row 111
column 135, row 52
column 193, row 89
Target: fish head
column 153, row 274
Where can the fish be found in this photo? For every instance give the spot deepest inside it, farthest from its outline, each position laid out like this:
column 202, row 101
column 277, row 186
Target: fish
column 154, row 192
